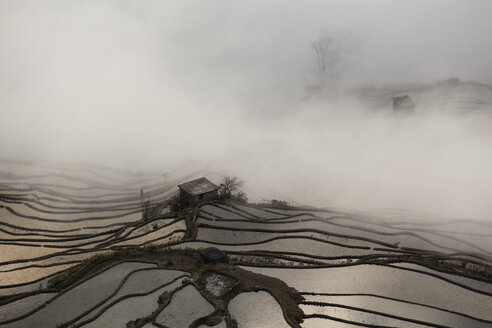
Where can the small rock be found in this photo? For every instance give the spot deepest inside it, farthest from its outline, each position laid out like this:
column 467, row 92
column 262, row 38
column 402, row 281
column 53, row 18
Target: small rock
column 256, row 289
column 163, row 297
column 131, row 324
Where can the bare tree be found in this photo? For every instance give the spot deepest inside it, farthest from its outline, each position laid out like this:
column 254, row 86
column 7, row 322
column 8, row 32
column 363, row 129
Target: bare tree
column 229, row 185
column 321, row 47
column 230, row 188
column 331, row 51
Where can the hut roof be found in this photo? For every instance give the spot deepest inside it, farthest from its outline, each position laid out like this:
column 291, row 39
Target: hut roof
column 198, row 186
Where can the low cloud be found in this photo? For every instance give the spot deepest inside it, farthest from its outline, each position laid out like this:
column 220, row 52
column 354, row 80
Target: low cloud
column 222, row 86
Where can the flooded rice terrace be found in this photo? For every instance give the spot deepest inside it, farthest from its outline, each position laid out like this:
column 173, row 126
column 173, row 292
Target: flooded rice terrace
column 97, row 247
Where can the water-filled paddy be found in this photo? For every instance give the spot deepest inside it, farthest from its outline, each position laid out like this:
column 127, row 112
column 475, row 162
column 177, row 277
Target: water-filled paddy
column 385, row 281
column 186, row 306
column 307, row 246
column 131, row 309
column 80, row 298
column 472, row 283
column 257, row 310
column 258, row 212
column 388, row 306
column 140, row 282
column 232, row 237
column 360, row 317
column 324, row 323
column 29, row 274
column 17, row 308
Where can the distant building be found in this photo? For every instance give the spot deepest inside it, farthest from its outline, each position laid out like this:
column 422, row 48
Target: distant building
column 449, row 83
column 403, row 103
column 199, row 190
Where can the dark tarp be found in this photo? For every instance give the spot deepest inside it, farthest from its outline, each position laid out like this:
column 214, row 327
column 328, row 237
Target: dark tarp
column 213, row 255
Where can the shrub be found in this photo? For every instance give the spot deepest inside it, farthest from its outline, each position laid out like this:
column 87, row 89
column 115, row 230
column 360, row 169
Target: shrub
column 280, row 203
column 174, row 203
column 240, row 197
column 230, row 188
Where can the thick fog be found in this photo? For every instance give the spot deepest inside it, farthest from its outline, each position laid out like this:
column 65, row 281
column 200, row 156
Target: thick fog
column 227, row 87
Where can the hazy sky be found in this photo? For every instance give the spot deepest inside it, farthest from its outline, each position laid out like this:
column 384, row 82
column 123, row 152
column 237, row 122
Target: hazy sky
column 232, row 49
column 154, row 83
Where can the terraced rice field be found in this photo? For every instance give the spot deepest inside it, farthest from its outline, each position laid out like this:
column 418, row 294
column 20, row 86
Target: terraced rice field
column 51, row 221
column 352, row 269
column 360, row 271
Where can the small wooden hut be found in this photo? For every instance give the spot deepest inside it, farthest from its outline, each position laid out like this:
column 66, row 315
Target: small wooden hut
column 403, row 103
column 199, row 190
